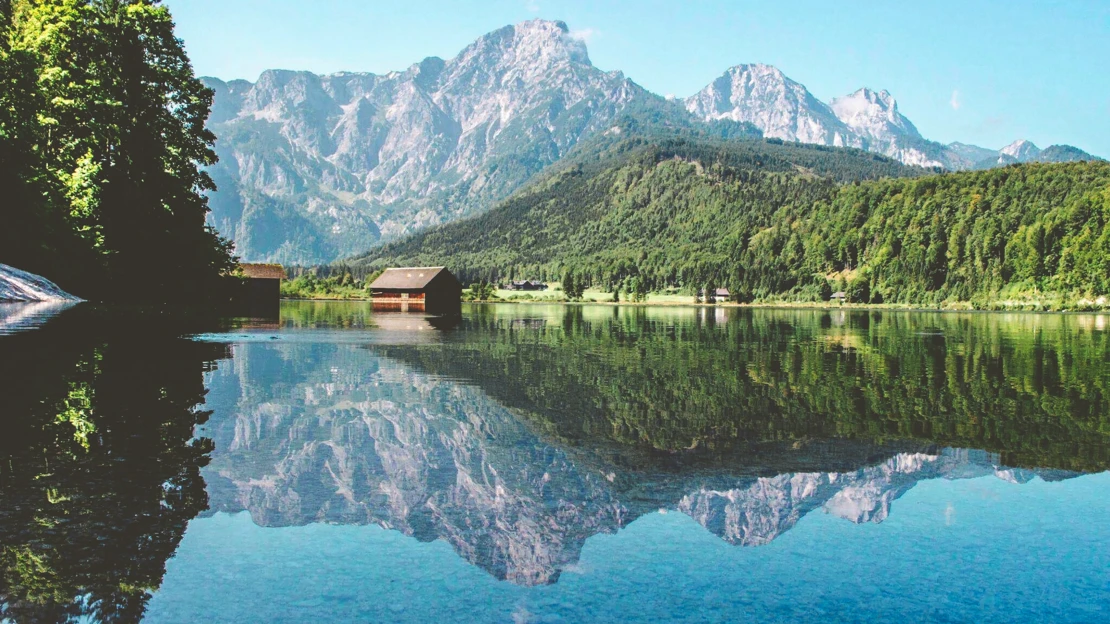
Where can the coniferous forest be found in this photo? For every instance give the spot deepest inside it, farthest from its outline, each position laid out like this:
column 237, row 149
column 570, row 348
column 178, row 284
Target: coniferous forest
column 774, row 222
column 102, row 149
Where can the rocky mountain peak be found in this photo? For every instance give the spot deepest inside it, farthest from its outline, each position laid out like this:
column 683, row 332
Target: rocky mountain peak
column 782, row 108
column 350, row 157
column 873, row 114
column 426, row 73
column 756, row 77
column 758, row 69
column 538, row 44
column 1021, row 150
column 867, row 98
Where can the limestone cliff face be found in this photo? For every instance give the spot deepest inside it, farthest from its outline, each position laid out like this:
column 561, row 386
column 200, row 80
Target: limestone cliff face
column 874, row 117
column 866, row 119
column 780, row 107
column 317, row 167
column 342, row 435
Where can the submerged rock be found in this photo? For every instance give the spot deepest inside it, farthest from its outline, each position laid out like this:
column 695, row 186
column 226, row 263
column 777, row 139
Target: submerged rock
column 19, row 286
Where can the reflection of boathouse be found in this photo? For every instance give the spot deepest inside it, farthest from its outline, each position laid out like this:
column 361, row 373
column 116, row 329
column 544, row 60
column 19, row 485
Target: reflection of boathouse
column 431, row 289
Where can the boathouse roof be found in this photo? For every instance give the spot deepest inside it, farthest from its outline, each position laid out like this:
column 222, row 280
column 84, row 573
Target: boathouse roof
column 263, row 271
column 407, row 278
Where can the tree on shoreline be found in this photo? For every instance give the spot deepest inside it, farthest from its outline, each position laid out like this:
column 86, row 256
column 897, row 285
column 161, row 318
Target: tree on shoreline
column 573, row 284
column 103, row 111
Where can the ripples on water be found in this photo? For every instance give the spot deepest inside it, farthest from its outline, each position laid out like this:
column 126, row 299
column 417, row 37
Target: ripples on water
column 17, row 317
column 558, row 463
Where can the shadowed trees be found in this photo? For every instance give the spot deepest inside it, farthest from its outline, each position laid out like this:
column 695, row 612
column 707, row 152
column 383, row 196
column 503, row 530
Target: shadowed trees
column 102, row 144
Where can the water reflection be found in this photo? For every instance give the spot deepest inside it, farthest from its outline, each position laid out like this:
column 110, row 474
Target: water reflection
column 514, row 434
column 524, row 431
column 99, row 467
column 18, row 317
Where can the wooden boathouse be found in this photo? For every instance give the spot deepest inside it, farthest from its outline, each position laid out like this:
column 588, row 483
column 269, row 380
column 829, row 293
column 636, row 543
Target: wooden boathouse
column 429, row 289
column 263, row 281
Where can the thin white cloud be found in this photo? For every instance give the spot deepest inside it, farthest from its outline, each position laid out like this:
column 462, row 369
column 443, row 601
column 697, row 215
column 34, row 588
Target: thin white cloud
column 533, row 6
column 955, row 101
column 585, row 35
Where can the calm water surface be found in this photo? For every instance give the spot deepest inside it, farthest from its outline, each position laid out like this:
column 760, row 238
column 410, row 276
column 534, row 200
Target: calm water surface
column 529, row 463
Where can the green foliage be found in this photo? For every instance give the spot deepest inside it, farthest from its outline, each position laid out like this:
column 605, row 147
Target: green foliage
column 859, row 289
column 573, row 284
column 746, row 217
column 482, row 291
column 1034, row 388
column 102, row 144
column 310, row 285
column 637, row 289
column 978, row 236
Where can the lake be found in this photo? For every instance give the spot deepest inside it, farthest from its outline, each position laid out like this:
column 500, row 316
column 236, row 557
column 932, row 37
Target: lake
column 535, row 463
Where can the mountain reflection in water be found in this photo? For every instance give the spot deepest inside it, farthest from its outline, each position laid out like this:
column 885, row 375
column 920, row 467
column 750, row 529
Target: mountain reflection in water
column 514, row 433
column 521, row 433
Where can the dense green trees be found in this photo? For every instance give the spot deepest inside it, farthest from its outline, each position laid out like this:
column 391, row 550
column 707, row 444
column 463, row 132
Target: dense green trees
column 102, row 140
column 482, row 291
column 684, row 214
column 978, row 236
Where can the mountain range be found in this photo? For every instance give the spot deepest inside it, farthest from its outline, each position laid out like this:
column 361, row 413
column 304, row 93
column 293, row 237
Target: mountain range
column 317, row 167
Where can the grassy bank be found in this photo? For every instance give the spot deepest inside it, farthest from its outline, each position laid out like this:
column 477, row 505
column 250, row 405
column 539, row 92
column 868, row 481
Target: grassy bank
column 333, row 289
column 309, row 286
column 1006, row 301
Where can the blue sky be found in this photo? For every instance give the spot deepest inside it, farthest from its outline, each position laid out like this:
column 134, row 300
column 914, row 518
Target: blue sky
column 973, row 71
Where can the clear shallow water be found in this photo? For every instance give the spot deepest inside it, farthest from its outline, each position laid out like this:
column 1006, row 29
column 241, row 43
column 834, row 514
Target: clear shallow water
column 549, row 463
column 953, row 551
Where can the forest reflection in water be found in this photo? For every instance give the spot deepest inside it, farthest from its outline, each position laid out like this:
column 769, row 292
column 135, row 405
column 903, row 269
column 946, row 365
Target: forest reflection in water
column 99, row 467
column 516, row 432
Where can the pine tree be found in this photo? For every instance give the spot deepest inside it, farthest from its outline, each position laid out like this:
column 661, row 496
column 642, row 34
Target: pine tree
column 573, row 285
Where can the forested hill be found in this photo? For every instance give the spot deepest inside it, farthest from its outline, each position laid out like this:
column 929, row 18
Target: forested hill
column 771, row 227
column 726, row 144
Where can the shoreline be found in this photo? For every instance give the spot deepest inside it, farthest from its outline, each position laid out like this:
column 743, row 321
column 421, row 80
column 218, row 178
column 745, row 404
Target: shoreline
column 889, row 307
